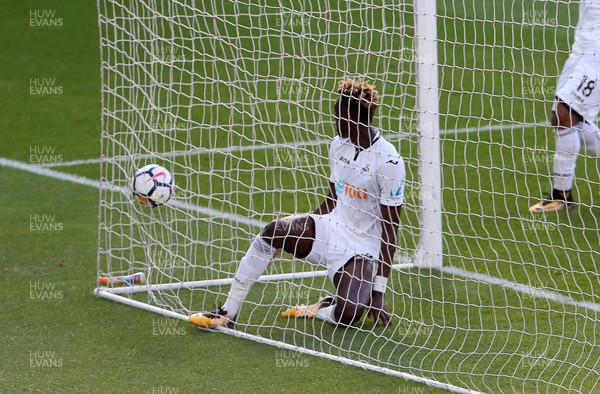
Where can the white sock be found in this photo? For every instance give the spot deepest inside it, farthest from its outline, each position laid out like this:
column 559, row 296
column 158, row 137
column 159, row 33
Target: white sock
column 565, row 157
column 327, row 314
column 590, row 136
column 251, row 267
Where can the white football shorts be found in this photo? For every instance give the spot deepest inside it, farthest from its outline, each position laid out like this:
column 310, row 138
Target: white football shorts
column 335, row 245
column 579, row 86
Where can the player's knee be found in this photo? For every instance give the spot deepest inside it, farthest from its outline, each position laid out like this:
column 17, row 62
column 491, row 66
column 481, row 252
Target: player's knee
column 288, row 226
column 348, row 312
column 564, row 117
column 269, row 235
column 268, row 232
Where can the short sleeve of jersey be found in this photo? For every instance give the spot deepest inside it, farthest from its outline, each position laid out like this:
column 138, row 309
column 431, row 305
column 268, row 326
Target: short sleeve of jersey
column 391, row 179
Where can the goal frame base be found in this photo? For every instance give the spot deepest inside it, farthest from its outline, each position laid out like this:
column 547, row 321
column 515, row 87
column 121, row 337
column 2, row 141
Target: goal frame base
column 120, row 295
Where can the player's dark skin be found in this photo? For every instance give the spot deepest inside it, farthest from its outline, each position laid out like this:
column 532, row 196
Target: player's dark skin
column 353, row 281
column 564, row 117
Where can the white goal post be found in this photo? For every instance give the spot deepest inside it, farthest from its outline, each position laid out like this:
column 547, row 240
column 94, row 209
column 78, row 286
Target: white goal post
column 235, row 99
column 430, row 250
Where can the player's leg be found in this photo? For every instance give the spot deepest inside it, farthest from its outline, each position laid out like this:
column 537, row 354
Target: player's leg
column 564, row 136
column 353, row 283
column 294, row 234
column 567, row 124
column 567, row 117
column 578, row 103
column 590, row 138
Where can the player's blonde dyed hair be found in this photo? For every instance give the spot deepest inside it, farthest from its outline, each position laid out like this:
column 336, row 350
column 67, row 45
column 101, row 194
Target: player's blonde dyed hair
column 361, row 92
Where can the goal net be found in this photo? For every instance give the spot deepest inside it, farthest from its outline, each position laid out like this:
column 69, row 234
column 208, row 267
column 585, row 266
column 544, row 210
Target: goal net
column 235, row 98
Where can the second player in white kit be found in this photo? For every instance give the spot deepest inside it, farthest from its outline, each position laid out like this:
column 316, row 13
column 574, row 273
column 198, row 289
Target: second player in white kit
column 576, row 106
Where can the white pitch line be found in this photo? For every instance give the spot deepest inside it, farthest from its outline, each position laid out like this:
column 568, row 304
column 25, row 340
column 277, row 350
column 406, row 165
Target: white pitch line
column 525, row 289
column 36, row 169
column 39, row 170
column 195, row 151
column 493, row 127
column 264, row 146
column 518, row 287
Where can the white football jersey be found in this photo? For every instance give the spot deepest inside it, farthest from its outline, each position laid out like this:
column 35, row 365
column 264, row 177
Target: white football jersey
column 587, row 31
column 365, row 179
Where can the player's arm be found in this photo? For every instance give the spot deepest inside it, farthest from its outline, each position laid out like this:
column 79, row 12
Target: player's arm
column 391, row 178
column 329, row 203
column 390, row 222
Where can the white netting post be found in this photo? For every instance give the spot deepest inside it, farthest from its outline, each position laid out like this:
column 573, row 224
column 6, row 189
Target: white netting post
column 429, row 252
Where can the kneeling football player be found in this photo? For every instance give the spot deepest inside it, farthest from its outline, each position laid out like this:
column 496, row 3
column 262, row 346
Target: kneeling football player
column 353, row 232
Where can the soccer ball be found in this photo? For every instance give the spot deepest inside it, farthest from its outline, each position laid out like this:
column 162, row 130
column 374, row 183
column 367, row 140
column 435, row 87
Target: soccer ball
column 152, row 185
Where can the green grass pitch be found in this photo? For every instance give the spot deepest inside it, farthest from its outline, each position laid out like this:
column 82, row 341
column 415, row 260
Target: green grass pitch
column 56, row 336
column 59, row 338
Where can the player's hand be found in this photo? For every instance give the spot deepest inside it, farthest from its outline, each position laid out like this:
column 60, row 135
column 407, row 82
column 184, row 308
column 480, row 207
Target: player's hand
column 377, row 310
